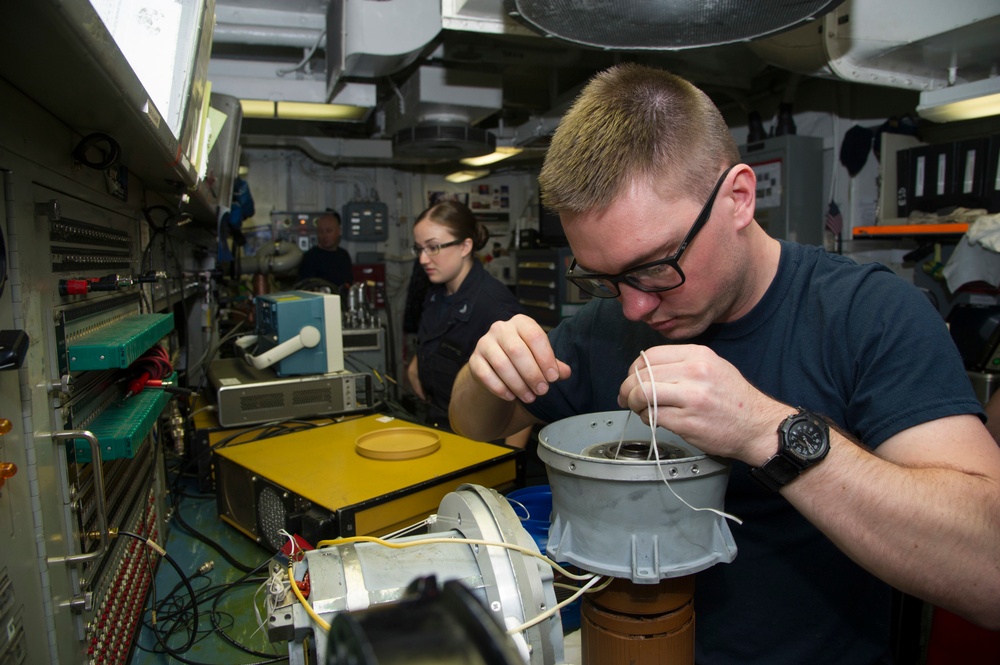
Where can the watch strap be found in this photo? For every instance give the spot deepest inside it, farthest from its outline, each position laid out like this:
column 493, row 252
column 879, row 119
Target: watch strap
column 775, row 473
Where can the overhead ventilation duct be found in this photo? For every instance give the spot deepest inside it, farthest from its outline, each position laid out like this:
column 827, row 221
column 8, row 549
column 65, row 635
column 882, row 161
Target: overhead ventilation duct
column 374, row 38
column 436, row 111
column 681, row 24
column 909, row 44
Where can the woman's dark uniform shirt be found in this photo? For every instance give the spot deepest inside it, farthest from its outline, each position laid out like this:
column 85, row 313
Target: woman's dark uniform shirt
column 450, row 326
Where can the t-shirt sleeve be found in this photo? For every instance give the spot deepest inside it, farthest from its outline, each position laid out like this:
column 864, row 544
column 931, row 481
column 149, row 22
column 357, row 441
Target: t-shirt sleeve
column 905, row 367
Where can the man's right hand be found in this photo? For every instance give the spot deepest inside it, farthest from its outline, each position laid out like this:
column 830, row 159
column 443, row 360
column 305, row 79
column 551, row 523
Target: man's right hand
column 514, row 360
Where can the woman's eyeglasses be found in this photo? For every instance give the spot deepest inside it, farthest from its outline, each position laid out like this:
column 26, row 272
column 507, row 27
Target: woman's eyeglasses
column 433, row 250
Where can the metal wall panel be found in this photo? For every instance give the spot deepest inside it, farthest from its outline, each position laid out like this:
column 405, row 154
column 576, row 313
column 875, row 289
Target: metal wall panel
column 58, row 576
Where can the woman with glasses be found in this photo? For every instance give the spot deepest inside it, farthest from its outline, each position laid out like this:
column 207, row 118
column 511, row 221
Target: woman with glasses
column 463, row 301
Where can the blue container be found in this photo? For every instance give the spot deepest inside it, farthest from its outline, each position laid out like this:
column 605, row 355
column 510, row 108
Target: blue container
column 533, row 506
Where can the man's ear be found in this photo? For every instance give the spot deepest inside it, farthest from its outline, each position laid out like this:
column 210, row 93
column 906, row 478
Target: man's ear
column 743, row 194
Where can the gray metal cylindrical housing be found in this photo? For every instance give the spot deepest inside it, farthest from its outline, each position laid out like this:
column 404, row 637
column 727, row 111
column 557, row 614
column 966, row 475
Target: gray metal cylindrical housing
column 514, row 588
column 623, row 517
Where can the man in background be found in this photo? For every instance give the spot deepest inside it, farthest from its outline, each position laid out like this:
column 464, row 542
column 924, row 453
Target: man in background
column 327, row 261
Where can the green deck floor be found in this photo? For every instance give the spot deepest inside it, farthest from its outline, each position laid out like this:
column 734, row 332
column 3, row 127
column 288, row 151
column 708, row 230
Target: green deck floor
column 235, row 611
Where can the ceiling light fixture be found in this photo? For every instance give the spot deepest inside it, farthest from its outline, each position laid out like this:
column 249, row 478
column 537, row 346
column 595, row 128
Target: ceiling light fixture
column 257, row 108
column 264, row 108
column 502, row 152
column 964, row 101
column 467, row 175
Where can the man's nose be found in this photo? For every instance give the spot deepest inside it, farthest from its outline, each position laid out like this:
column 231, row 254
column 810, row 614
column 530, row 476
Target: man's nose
column 636, row 304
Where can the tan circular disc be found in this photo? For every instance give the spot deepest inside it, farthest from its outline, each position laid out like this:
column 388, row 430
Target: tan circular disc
column 398, row 443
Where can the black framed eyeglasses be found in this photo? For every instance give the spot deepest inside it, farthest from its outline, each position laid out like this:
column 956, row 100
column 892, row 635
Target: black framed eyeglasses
column 433, row 250
column 662, row 275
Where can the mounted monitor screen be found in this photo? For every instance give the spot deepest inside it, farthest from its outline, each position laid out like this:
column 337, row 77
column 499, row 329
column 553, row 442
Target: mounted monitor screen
column 167, row 45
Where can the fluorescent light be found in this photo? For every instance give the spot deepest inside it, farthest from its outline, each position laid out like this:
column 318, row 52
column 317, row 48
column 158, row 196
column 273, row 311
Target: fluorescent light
column 467, row 175
column 257, row 108
column 263, row 108
column 961, row 102
column 307, row 111
column 502, row 152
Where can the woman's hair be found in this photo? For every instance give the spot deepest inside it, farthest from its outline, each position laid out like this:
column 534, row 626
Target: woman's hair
column 458, row 219
column 635, row 124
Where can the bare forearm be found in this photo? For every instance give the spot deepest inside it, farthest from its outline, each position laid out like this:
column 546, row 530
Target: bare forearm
column 413, row 374
column 931, row 532
column 518, row 439
column 478, row 414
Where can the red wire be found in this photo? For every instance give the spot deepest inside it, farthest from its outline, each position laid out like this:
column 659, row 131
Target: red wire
column 155, row 361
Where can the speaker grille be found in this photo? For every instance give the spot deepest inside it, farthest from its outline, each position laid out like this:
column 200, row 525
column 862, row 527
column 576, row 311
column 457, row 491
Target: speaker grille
column 263, row 401
column 314, row 396
column 272, row 516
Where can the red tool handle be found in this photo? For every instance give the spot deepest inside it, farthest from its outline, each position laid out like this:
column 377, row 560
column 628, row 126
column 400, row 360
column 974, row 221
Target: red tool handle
column 136, row 385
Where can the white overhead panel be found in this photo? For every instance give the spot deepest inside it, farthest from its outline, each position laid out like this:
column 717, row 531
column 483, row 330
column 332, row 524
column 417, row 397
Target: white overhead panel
column 910, row 44
column 375, row 38
column 480, row 16
column 963, row 101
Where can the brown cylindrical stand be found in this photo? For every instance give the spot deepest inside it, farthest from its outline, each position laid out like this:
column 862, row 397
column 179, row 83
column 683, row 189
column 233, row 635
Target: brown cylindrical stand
column 640, row 624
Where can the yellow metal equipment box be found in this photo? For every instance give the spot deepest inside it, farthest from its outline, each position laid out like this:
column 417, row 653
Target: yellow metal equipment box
column 316, row 484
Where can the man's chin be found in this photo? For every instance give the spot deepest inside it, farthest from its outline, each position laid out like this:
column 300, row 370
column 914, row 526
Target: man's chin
column 676, row 330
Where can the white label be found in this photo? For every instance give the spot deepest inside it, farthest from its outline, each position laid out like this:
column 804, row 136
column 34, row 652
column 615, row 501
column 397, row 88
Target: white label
column 942, row 167
column 918, row 183
column 970, row 170
column 768, row 183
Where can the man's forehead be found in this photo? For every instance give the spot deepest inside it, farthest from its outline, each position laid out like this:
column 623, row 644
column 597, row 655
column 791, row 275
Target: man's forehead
column 613, row 241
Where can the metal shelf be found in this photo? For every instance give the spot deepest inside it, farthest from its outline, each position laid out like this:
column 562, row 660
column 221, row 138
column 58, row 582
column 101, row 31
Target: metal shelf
column 890, row 231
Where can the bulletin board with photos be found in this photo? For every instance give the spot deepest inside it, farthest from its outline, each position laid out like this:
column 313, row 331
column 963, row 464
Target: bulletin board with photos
column 489, row 203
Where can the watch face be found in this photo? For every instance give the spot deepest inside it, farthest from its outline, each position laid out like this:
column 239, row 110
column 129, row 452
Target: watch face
column 805, row 439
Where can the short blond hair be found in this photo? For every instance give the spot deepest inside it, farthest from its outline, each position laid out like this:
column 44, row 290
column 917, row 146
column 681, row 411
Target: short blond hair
column 635, row 123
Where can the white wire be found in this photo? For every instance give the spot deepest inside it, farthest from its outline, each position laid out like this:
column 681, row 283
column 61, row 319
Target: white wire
column 589, row 578
column 654, row 450
column 305, row 59
column 210, row 407
column 466, row 541
column 624, row 429
column 407, row 529
column 558, row 606
column 291, row 540
column 261, row 621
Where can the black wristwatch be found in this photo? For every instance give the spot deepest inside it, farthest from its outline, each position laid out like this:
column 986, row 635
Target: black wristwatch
column 803, row 440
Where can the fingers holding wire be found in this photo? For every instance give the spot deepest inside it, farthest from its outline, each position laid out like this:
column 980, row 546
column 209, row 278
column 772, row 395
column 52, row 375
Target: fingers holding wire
column 515, row 360
column 647, row 393
column 702, row 398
